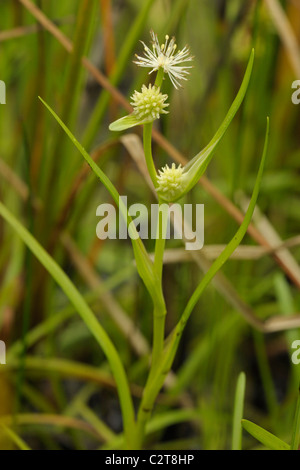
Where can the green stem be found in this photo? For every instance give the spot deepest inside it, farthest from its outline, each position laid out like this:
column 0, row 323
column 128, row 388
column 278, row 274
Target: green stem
column 147, row 136
column 159, row 77
column 238, row 412
column 147, row 140
column 162, row 219
column 159, row 309
column 159, row 313
column 158, row 338
column 156, row 381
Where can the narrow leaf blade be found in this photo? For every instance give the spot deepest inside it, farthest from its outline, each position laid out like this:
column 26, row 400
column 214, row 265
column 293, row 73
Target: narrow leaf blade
column 264, row 437
column 126, row 122
column 197, row 166
column 143, row 262
column 238, row 412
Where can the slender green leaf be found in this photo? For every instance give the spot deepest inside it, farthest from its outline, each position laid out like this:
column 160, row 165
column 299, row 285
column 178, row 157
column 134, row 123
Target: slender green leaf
column 84, row 311
column 232, row 245
column 265, row 437
column 127, row 122
column 197, row 166
column 143, row 262
column 238, row 412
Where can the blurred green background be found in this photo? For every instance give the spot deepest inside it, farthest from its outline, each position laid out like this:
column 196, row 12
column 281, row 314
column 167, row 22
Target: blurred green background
column 56, row 388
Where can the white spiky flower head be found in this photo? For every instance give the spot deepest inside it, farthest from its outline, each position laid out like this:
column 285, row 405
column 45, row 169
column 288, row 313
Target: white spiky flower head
column 169, row 180
column 165, row 56
column 149, row 104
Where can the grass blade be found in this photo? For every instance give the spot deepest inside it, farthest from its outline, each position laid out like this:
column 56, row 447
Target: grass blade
column 14, row 437
column 84, row 311
column 265, row 437
column 143, row 262
column 238, row 412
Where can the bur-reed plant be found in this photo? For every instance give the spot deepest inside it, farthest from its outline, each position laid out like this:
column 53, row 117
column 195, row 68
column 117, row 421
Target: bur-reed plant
column 171, row 184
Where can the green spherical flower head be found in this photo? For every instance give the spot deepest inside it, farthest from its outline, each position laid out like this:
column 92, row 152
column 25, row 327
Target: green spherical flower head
column 149, row 104
column 169, row 181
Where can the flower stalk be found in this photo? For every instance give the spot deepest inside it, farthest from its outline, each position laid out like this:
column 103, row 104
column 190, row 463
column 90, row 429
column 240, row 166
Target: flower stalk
column 171, row 183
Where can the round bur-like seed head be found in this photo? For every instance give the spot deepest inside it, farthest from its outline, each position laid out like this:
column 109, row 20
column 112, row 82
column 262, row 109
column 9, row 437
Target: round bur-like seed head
column 149, row 104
